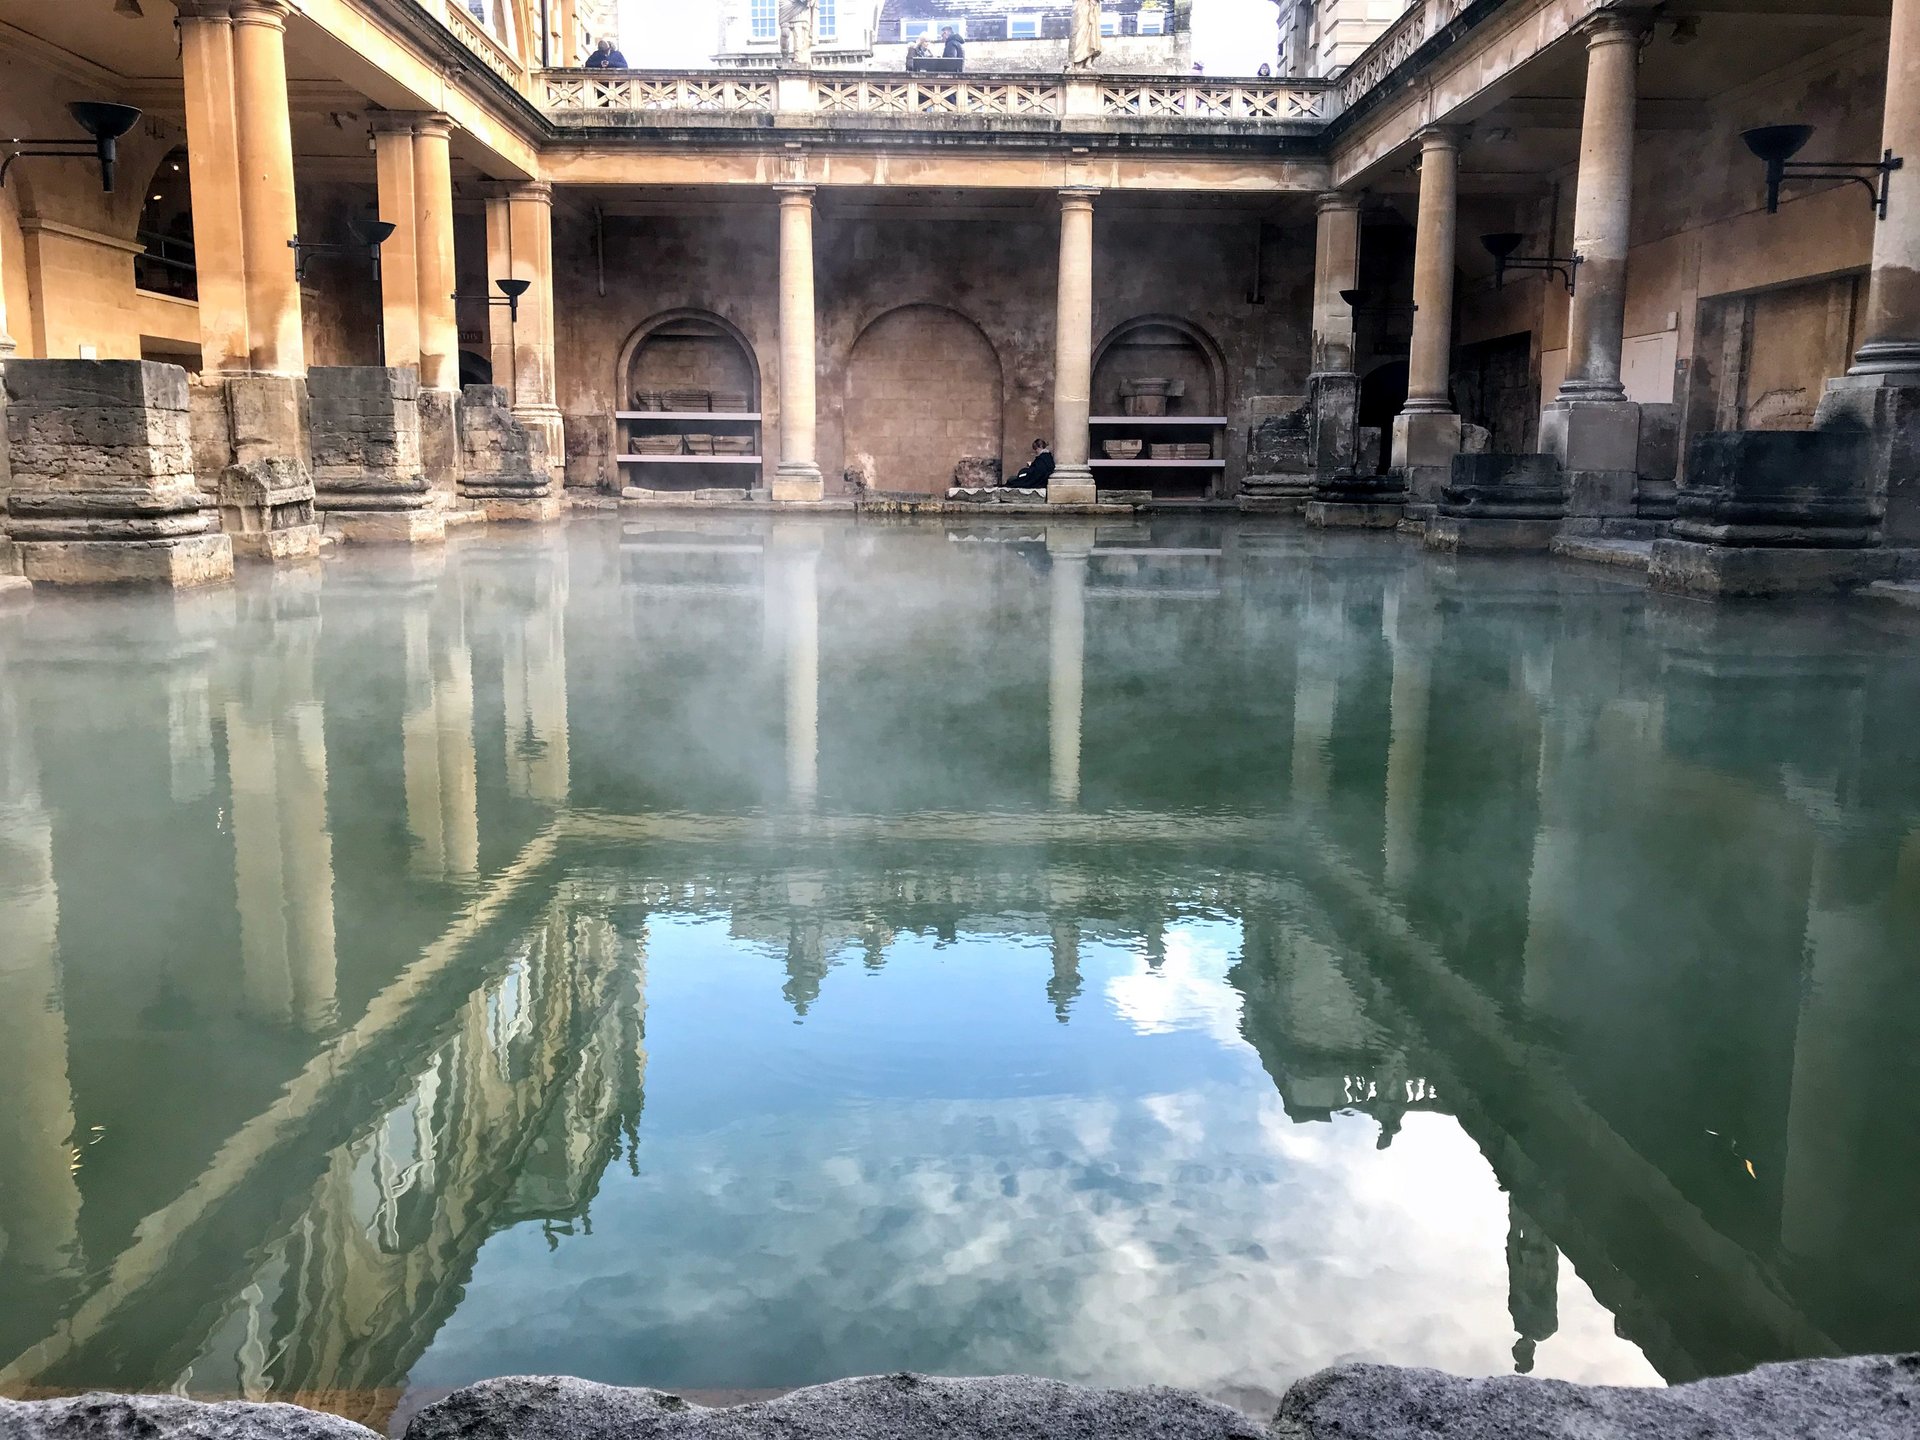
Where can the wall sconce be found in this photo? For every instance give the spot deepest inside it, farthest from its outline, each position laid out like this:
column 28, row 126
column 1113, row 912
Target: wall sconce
column 371, row 235
column 1356, row 302
column 1501, row 247
column 509, row 296
column 1776, row 145
column 104, row 121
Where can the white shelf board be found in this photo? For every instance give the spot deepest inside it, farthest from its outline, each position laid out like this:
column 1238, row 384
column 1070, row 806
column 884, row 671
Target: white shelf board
column 1156, row 420
column 728, row 415
column 687, row 459
column 1162, row 464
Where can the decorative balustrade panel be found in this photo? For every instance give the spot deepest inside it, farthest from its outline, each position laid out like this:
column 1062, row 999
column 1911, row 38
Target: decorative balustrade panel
column 707, row 93
column 490, row 51
column 941, row 95
column 1213, row 100
column 1391, row 50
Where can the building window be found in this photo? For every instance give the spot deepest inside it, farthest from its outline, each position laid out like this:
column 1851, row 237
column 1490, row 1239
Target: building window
column 1109, row 22
column 911, row 30
column 760, row 15
column 826, row 19
column 1023, row 27
column 1151, row 22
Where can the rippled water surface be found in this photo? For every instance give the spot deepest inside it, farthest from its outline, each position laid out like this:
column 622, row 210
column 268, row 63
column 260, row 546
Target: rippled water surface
column 731, row 955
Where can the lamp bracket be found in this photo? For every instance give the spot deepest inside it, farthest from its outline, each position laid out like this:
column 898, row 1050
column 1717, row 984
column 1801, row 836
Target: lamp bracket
column 54, row 150
column 1873, row 174
column 1567, row 269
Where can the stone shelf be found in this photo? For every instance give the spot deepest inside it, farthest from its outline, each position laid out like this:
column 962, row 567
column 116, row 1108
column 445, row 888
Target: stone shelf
column 1157, row 420
column 1158, row 464
column 687, row 459
column 680, row 416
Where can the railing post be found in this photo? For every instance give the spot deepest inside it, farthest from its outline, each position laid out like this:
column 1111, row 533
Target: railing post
column 794, row 93
column 1082, row 100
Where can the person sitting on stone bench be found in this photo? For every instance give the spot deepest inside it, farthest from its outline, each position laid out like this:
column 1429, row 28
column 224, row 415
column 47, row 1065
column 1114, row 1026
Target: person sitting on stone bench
column 1035, row 473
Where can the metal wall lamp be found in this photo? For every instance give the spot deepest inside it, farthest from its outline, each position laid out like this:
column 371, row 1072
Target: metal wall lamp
column 370, row 236
column 509, row 296
column 1501, row 247
column 1357, row 302
column 104, row 123
column 1776, row 145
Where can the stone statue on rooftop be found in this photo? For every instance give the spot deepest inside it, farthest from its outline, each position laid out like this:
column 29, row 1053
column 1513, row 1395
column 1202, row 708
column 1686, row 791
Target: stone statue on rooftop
column 796, row 33
column 1084, row 48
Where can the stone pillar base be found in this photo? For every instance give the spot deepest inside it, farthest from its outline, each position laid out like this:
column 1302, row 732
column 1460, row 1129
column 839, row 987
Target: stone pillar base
column 439, row 438
column 1454, row 533
column 101, row 468
column 1275, row 494
column 423, row 526
column 503, row 458
column 179, row 561
column 798, row 484
column 1690, row 567
column 300, row 542
column 518, row 510
column 1349, row 514
column 1072, row 485
column 546, row 422
column 1425, row 437
column 1888, row 408
column 1597, row 443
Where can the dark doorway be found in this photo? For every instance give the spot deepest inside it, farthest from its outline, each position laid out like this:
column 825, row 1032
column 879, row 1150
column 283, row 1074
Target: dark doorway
column 1493, row 385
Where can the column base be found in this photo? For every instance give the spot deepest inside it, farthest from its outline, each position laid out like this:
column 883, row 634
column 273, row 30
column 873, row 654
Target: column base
column 1424, row 438
column 287, row 545
column 1072, row 485
column 422, row 526
column 1275, row 494
column 546, row 421
column 1352, row 515
column 1887, row 406
column 1689, row 567
column 797, row 484
column 518, row 510
column 1456, row 533
column 178, row 561
column 440, row 439
column 1595, row 435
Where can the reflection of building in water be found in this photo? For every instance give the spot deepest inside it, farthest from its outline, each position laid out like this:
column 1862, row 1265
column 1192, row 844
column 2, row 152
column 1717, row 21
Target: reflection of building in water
column 512, row 1117
column 533, row 679
column 441, row 777
column 1533, row 1280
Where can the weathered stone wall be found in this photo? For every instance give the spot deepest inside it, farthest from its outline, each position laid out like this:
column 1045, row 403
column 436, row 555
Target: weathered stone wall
column 992, row 269
column 338, row 302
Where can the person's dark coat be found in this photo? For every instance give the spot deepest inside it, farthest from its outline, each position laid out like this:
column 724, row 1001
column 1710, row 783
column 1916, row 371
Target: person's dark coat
column 1036, row 473
column 955, row 48
column 606, row 60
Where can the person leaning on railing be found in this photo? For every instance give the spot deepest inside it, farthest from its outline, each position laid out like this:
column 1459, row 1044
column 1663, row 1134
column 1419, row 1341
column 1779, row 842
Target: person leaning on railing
column 605, row 57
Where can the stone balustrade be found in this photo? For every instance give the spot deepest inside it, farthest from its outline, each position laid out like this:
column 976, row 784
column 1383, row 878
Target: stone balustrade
column 854, row 94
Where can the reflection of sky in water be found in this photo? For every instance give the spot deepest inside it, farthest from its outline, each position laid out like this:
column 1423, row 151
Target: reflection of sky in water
column 930, row 1172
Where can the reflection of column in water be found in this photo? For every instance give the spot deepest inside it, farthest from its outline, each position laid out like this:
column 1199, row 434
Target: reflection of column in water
column 800, row 573
column 1533, row 1281
column 39, row 1197
column 1064, row 988
column 1407, row 745
column 437, row 754
column 533, row 682
column 283, row 865
column 1066, row 670
column 1833, row 1091
column 189, row 733
column 1315, row 693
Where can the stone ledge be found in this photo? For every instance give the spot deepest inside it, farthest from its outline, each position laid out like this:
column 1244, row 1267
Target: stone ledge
column 1601, row 550
column 1865, row 1398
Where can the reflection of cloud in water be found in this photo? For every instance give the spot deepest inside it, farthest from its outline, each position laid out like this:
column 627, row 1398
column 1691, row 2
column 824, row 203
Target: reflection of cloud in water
column 1197, row 1238
column 1188, row 990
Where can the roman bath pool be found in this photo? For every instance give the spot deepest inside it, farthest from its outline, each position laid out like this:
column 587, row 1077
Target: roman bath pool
column 728, row 954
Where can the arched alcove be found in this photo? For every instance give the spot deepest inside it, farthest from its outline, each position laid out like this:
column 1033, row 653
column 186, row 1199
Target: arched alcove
column 687, row 405
column 1161, row 347
column 923, row 392
column 686, row 351
column 166, row 267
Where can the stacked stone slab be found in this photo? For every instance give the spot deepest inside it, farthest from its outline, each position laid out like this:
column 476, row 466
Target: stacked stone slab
column 504, row 465
column 1279, row 460
column 103, row 490
column 1499, row 502
column 1366, row 501
column 367, row 479
column 255, row 440
column 1775, row 513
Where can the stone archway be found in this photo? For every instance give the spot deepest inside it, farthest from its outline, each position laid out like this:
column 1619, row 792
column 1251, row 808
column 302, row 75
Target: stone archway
column 923, row 392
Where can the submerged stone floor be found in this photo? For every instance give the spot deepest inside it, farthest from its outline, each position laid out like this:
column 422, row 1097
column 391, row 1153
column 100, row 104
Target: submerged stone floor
column 1865, row 1398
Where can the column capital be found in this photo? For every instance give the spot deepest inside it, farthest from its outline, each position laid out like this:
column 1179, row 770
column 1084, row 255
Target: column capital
column 529, row 192
column 794, row 194
column 1078, row 197
column 1614, row 27
column 211, row 11
column 432, row 123
column 270, row 13
column 1441, row 137
column 1331, row 200
column 392, row 122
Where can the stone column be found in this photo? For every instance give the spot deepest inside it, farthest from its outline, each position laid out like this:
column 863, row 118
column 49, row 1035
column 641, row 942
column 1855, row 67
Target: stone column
column 439, row 334
column 798, row 474
column 1336, row 267
column 1591, row 427
column 499, row 262
column 1072, row 482
column 399, row 256
column 1426, row 434
column 1068, row 551
column 1891, row 327
column 213, row 164
column 530, row 232
column 264, row 130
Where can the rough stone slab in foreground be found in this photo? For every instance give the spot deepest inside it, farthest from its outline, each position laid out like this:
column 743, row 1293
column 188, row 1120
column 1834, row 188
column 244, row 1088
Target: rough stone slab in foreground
column 1869, row 1398
column 880, row 1407
column 166, row 1417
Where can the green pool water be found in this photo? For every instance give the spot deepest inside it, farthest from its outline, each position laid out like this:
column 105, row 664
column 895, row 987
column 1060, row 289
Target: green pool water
column 732, row 954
